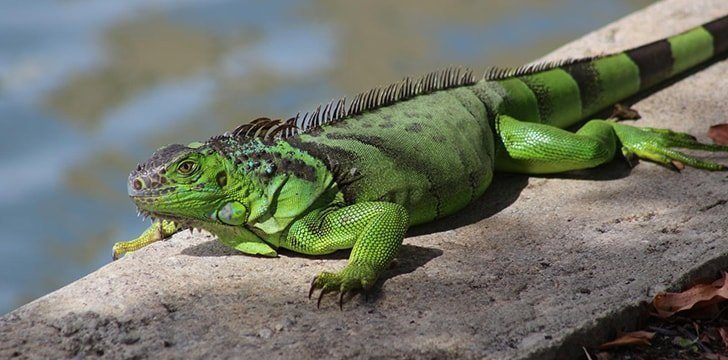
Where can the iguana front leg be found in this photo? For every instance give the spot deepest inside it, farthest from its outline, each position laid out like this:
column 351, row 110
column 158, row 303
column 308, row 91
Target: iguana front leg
column 159, row 230
column 373, row 229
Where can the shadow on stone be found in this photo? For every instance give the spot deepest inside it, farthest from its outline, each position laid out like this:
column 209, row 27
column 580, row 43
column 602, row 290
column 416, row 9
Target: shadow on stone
column 502, row 192
column 616, row 169
column 410, row 258
column 216, row 248
column 210, row 248
column 505, row 190
column 337, row 255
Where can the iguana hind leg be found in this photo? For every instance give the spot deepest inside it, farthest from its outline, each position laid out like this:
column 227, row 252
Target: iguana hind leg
column 534, row 148
column 159, row 230
column 373, row 229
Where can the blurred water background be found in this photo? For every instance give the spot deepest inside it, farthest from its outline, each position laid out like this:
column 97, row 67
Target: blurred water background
column 90, row 88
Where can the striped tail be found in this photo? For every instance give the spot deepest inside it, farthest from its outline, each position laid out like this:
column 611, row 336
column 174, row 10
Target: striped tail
column 607, row 80
column 666, row 58
column 604, row 80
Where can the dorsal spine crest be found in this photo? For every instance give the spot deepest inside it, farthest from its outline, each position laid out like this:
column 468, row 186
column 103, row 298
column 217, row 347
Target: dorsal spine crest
column 337, row 110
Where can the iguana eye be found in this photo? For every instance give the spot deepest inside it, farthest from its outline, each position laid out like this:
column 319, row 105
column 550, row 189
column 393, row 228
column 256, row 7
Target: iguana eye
column 186, row 167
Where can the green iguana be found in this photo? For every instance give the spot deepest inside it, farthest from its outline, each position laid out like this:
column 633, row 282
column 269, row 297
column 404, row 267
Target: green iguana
column 358, row 175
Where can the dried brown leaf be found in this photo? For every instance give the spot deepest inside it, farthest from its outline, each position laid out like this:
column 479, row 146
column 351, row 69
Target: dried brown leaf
column 724, row 335
column 714, row 357
column 719, row 134
column 635, row 338
column 623, row 112
column 699, row 296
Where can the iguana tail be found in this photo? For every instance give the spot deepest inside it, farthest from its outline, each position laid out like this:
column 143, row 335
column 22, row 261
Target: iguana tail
column 545, row 93
column 658, row 61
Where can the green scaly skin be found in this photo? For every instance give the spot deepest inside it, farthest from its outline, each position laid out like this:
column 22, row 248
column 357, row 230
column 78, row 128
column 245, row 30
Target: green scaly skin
column 361, row 181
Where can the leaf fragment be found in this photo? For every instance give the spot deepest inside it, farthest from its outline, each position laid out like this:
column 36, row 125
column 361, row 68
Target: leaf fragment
column 724, row 335
column 719, row 134
column 635, row 338
column 697, row 297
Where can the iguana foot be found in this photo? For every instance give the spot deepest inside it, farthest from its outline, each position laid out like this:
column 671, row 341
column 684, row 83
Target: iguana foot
column 354, row 277
column 657, row 145
column 159, row 230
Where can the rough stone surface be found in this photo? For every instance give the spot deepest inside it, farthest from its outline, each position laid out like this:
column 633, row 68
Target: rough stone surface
column 537, row 268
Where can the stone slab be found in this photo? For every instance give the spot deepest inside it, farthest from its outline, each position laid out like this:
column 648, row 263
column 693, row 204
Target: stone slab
column 537, row 268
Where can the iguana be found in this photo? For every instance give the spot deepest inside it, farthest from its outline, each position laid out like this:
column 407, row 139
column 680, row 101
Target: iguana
column 358, row 175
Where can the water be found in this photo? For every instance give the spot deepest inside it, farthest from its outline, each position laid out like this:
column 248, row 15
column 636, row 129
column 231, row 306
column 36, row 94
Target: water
column 90, row 88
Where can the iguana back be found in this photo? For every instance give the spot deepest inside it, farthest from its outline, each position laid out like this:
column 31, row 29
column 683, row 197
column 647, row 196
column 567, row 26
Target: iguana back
column 433, row 154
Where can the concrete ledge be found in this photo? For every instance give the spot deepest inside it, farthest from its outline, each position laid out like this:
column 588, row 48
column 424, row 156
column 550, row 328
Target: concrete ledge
column 537, row 268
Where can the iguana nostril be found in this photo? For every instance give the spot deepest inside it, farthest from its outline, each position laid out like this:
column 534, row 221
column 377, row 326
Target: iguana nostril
column 137, row 184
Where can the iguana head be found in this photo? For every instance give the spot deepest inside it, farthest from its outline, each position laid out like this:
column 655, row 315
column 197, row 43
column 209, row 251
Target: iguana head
column 228, row 181
column 188, row 185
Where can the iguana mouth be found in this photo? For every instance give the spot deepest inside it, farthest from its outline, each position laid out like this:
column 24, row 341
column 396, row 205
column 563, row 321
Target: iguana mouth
column 146, row 192
column 183, row 222
column 157, row 216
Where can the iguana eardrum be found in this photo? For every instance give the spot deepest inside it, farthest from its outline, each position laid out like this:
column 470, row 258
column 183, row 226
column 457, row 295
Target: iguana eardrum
column 358, row 175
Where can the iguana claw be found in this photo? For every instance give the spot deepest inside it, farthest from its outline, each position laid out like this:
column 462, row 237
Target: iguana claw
column 321, row 296
column 312, row 288
column 354, row 277
column 324, row 291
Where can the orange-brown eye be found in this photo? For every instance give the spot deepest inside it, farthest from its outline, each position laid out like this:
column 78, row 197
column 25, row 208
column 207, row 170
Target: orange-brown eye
column 186, row 167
